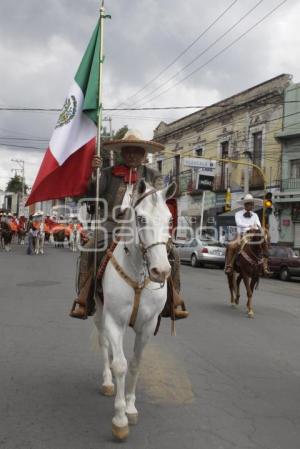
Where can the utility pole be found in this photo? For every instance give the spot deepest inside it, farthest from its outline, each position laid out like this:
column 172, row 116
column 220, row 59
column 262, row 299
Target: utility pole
column 21, row 164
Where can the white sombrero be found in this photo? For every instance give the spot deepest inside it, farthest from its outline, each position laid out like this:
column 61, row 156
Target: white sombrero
column 248, row 198
column 38, row 213
column 133, row 139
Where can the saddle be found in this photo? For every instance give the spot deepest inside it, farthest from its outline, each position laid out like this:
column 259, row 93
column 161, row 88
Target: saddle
column 84, row 305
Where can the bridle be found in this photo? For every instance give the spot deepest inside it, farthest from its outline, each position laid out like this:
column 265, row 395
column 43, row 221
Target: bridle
column 144, row 249
column 253, row 259
column 142, row 246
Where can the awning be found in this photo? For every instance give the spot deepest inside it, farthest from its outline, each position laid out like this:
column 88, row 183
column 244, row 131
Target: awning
column 228, row 218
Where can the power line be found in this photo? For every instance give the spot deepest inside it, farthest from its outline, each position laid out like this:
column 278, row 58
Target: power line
column 24, row 138
column 180, row 54
column 221, row 51
column 21, row 146
column 25, row 109
column 203, row 51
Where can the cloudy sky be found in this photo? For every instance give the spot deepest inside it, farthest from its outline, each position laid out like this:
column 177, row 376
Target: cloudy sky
column 42, row 43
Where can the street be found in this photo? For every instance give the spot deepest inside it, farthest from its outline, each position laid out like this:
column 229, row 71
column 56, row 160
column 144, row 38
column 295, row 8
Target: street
column 225, row 381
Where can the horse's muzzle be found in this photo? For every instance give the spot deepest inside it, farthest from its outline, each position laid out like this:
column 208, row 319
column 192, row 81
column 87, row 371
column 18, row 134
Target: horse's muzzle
column 157, row 275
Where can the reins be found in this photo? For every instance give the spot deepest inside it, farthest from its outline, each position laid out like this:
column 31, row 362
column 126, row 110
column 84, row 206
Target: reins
column 136, row 286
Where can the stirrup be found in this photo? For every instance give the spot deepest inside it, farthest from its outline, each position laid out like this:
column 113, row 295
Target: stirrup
column 78, row 312
column 180, row 313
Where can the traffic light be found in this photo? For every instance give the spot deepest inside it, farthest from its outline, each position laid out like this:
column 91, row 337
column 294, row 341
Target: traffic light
column 268, row 203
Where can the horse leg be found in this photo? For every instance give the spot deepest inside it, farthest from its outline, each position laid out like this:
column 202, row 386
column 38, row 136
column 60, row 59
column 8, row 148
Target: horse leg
column 107, row 388
column 115, row 334
column 231, row 284
column 141, row 340
column 249, row 296
column 42, row 245
column 238, row 294
column 37, row 245
column 252, row 285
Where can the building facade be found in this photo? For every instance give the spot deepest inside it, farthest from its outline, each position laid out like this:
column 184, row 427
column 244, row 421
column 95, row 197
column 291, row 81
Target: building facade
column 241, row 128
column 287, row 200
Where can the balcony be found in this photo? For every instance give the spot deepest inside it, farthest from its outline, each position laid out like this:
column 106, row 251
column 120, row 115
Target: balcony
column 288, row 184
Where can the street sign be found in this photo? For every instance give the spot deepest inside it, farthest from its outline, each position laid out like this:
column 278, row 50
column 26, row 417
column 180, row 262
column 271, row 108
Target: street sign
column 205, row 166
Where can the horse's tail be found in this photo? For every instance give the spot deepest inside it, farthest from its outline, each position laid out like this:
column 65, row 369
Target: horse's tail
column 257, row 284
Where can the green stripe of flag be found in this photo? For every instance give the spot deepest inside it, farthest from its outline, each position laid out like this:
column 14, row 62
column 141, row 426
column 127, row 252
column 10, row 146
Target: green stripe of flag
column 87, row 76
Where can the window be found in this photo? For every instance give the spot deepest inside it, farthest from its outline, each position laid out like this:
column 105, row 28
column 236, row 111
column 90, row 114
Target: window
column 198, row 150
column 177, row 164
column 257, row 148
column 295, row 168
column 159, row 166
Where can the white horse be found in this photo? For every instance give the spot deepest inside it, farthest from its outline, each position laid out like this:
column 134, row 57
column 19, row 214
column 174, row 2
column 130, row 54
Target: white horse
column 144, row 261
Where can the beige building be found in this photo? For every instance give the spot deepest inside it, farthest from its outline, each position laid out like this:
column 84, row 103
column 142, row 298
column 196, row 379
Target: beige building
column 240, row 128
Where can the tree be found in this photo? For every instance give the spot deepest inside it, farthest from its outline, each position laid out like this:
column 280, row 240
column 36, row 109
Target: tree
column 105, row 154
column 120, row 133
column 15, row 185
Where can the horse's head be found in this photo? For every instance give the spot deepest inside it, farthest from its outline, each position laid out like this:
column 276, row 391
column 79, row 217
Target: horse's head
column 153, row 220
column 258, row 238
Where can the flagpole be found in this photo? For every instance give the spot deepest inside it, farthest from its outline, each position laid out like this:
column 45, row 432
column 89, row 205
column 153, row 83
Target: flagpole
column 99, row 126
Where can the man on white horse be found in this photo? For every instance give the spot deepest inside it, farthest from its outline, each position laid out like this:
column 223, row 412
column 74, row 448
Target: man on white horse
column 116, row 188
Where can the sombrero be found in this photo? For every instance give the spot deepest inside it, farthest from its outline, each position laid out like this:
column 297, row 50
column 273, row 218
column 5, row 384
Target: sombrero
column 248, row 198
column 133, row 139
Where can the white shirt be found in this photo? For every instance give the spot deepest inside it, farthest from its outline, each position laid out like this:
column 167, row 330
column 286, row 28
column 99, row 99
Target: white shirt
column 245, row 223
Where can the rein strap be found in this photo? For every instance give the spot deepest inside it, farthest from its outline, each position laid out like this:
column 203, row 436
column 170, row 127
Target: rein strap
column 249, row 259
column 133, row 284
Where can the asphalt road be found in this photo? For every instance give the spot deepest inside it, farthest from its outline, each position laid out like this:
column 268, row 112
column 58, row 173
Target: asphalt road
column 225, row 381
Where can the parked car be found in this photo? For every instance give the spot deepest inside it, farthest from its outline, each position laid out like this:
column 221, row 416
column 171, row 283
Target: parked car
column 202, row 252
column 283, row 262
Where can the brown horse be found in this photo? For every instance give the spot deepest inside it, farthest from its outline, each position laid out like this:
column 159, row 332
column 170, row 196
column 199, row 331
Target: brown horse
column 248, row 265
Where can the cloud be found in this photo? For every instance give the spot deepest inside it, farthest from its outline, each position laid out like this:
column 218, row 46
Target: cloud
column 41, row 45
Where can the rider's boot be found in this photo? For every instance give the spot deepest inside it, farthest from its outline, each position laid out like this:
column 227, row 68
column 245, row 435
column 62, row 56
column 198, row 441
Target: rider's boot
column 175, row 306
column 266, row 270
column 229, row 261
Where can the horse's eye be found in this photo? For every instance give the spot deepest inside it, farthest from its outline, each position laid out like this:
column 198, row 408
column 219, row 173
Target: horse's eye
column 141, row 221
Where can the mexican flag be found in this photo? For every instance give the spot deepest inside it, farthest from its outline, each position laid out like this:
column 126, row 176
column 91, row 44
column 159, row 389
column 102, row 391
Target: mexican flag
column 66, row 167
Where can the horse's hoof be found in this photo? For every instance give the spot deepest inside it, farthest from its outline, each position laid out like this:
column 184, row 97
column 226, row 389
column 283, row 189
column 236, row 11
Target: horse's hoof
column 108, row 390
column 251, row 314
column 132, row 418
column 120, row 433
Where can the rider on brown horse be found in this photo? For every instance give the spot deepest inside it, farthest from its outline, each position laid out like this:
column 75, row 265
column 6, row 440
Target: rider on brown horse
column 245, row 220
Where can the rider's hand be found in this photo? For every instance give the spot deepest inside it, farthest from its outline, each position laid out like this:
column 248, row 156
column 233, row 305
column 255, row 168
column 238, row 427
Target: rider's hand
column 96, row 162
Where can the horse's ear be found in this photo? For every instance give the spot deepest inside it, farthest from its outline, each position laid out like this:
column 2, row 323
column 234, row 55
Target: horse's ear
column 169, row 191
column 141, row 187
